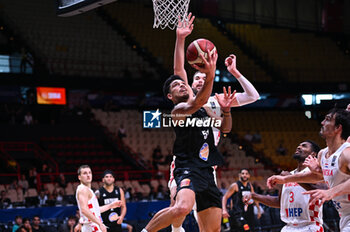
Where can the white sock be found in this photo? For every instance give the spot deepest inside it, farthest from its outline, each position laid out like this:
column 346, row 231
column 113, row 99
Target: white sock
column 176, row 229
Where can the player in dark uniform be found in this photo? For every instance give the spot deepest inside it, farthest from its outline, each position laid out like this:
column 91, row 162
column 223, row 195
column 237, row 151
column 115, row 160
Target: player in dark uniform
column 195, row 154
column 241, row 215
column 107, row 194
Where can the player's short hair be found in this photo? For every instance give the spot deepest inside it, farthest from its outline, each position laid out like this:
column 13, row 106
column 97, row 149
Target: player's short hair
column 342, row 117
column 82, row 167
column 314, row 146
column 72, row 217
column 240, row 171
column 166, row 86
column 106, row 172
column 196, row 74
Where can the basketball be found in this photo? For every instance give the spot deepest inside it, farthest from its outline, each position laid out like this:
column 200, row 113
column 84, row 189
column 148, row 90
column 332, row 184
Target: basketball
column 197, row 47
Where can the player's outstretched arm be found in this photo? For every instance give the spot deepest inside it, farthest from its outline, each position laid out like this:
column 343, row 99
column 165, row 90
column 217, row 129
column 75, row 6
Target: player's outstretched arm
column 195, row 103
column 231, row 190
column 272, row 201
column 112, row 205
column 250, row 94
column 306, row 177
column 183, row 30
column 224, row 101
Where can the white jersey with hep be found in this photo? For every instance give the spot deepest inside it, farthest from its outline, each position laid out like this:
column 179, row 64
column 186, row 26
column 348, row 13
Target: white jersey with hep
column 333, row 177
column 296, row 211
column 94, row 207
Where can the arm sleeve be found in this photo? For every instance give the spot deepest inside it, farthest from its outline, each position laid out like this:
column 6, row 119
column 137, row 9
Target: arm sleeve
column 249, row 95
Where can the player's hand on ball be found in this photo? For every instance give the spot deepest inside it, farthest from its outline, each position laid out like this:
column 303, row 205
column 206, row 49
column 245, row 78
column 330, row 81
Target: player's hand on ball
column 209, row 65
column 185, row 27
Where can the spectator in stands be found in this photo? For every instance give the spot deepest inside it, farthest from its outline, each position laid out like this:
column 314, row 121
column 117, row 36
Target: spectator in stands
column 256, row 137
column 4, row 200
column 127, row 226
column 42, row 198
column 234, row 137
column 23, row 183
column 44, row 168
column 62, row 181
column 26, row 224
column 168, row 158
column 162, row 194
column 18, row 223
column 14, row 185
column 59, row 197
column 36, row 224
column 111, row 106
column 248, row 136
column 24, row 60
column 121, row 132
column 69, row 226
column 223, row 189
column 281, row 150
column 32, row 177
column 22, row 229
column 157, row 158
column 152, row 194
column 28, row 119
column 128, row 194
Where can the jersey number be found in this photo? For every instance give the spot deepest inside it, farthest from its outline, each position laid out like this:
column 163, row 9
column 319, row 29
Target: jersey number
column 291, row 197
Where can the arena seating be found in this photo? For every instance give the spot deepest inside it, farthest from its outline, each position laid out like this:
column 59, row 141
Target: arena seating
column 275, row 127
column 83, row 46
column 70, row 152
column 298, row 56
column 141, row 28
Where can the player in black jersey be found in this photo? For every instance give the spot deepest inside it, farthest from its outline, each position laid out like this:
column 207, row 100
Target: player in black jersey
column 107, row 194
column 241, row 215
column 195, row 154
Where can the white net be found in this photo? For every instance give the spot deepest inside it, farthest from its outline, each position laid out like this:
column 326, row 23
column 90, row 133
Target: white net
column 167, row 12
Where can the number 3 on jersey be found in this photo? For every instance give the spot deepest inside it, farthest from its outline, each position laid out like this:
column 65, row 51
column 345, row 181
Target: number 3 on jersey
column 291, row 197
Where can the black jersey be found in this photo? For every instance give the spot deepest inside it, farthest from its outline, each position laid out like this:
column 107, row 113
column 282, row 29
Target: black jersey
column 237, row 198
column 194, row 146
column 110, row 217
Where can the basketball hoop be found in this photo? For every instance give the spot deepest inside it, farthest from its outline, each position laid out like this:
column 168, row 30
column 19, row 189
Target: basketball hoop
column 167, row 12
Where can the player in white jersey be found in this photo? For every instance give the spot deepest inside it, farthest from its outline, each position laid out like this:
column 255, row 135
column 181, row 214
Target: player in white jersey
column 89, row 209
column 214, row 106
column 332, row 165
column 295, row 209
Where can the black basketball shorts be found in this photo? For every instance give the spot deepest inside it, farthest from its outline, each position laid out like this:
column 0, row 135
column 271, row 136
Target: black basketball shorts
column 201, row 181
